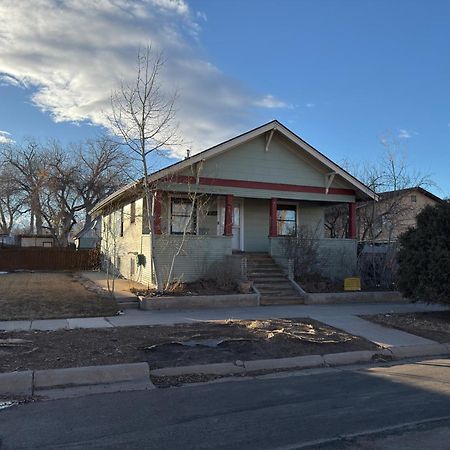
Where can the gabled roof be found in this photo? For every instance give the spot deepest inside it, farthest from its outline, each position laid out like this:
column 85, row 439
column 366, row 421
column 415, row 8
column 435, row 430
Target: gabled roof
column 388, row 194
column 363, row 190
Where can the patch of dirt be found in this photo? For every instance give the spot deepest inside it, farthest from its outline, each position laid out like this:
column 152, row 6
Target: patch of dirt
column 433, row 325
column 200, row 287
column 49, row 295
column 163, row 346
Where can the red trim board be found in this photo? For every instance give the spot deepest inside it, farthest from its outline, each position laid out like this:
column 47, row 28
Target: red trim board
column 246, row 184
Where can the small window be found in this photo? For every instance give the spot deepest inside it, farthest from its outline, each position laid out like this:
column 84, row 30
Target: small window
column 286, row 220
column 132, row 267
column 132, row 212
column 413, row 198
column 145, row 224
column 121, row 222
column 183, row 214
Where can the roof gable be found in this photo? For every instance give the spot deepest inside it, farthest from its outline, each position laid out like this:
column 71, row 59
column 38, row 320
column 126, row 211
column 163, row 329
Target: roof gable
column 267, row 131
column 338, row 175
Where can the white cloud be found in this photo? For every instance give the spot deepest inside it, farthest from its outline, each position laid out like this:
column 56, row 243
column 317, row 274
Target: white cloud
column 6, row 80
column 404, row 134
column 5, row 138
column 74, row 53
column 310, row 105
column 269, row 101
column 202, row 15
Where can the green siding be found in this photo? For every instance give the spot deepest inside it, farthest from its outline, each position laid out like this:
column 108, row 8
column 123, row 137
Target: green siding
column 337, row 258
column 127, row 246
column 281, row 164
column 199, row 255
column 312, row 217
column 250, row 161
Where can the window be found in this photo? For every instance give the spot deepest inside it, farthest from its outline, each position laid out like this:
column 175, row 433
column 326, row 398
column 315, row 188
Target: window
column 121, row 222
column 145, row 224
column 132, row 212
column 286, row 220
column 183, row 215
column 132, row 267
column 413, row 199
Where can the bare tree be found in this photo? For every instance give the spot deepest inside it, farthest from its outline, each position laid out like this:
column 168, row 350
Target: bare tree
column 12, row 199
column 143, row 117
column 57, row 185
column 29, row 174
column 104, row 168
column 391, row 177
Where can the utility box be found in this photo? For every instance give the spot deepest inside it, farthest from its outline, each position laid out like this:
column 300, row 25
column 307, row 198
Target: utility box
column 352, row 284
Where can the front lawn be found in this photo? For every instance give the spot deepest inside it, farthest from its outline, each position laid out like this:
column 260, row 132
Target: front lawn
column 433, row 325
column 49, row 295
column 178, row 345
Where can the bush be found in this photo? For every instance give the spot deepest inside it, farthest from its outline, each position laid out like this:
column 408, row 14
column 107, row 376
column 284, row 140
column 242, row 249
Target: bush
column 424, row 256
column 303, row 250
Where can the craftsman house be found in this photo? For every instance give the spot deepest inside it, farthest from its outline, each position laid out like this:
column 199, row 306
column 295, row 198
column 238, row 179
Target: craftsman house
column 245, row 195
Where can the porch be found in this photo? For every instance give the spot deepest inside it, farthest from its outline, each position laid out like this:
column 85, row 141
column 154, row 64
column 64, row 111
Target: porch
column 210, row 230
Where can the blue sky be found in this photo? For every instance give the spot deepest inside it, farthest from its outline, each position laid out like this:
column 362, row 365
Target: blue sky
column 341, row 74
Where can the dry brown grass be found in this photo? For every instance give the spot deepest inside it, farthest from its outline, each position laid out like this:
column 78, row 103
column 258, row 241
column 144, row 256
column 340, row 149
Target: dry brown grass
column 49, row 295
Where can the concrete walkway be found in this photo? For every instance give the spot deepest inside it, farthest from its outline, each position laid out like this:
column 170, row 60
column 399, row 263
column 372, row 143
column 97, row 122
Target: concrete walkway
column 341, row 316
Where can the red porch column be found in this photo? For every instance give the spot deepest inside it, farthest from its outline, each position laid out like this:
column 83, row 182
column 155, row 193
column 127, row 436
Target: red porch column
column 157, row 213
column 273, row 229
column 228, row 225
column 352, row 220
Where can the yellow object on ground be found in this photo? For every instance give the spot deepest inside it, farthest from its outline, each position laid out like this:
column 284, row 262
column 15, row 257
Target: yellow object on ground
column 352, row 284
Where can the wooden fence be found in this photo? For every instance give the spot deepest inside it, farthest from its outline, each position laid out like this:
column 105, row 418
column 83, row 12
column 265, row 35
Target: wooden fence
column 43, row 258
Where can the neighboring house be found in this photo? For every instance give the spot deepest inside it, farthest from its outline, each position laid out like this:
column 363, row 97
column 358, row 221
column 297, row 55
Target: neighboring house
column 89, row 237
column 35, row 240
column 393, row 214
column 252, row 193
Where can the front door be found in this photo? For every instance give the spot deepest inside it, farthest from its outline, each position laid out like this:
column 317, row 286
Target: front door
column 238, row 226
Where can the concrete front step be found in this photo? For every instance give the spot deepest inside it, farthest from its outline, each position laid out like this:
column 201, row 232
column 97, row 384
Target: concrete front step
column 261, row 264
column 266, row 272
column 274, row 286
column 264, row 279
column 279, row 294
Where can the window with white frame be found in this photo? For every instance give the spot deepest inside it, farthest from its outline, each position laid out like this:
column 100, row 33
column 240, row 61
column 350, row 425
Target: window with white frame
column 286, row 220
column 183, row 216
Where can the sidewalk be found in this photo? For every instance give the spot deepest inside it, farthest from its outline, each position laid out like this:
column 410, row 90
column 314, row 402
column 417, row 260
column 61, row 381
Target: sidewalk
column 341, row 316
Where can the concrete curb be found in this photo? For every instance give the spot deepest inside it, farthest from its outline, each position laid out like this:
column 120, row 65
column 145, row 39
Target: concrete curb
column 57, row 383
column 16, row 383
column 204, row 369
column 306, row 362
column 412, row 351
column 342, row 359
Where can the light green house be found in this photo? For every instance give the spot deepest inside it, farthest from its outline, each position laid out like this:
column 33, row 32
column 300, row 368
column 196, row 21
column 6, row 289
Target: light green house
column 245, row 195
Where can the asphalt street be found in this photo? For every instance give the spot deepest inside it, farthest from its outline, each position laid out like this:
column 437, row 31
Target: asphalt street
column 283, row 411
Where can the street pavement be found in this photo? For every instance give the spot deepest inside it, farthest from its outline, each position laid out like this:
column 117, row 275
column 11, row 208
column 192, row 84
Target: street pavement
column 280, row 411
